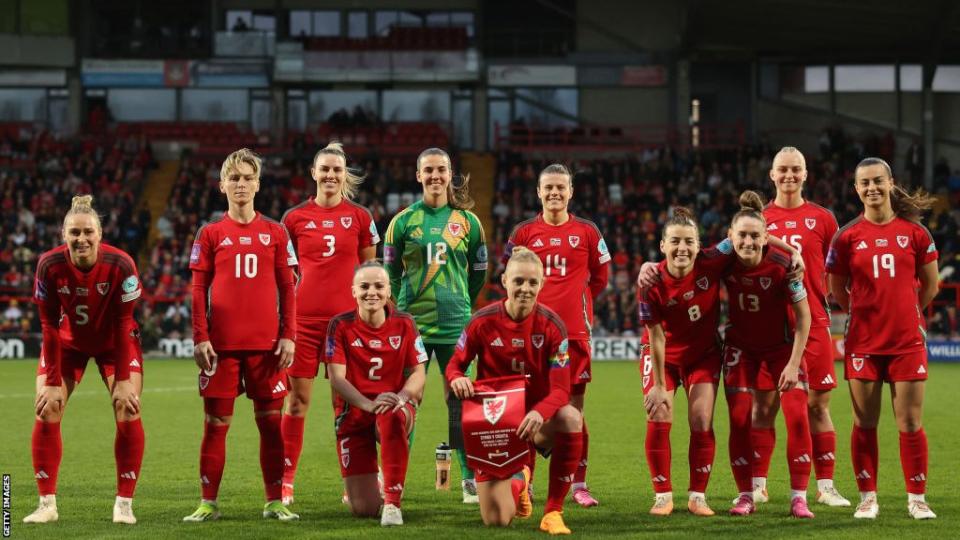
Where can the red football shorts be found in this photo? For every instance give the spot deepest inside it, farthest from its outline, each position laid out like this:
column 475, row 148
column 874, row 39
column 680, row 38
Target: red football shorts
column 309, row 353
column 910, row 366
column 256, row 373
column 741, row 368
column 705, row 369
column 357, row 437
column 818, row 357
column 580, row 353
column 73, row 362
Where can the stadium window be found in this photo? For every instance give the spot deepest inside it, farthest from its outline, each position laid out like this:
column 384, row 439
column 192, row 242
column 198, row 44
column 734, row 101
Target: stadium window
column 23, row 104
column 947, row 79
column 142, row 104
column 326, row 23
column 264, row 23
column 383, row 21
column 438, row 19
column 463, row 118
column 300, row 23
column 409, row 19
column 560, row 99
column 816, row 79
column 864, row 78
column 324, row 103
column 416, row 106
column 214, row 105
column 911, row 78
column 239, row 20
column 463, row 18
column 358, row 24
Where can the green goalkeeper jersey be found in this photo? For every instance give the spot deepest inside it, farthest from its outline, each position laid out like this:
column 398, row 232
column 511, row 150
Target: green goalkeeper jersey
column 437, row 262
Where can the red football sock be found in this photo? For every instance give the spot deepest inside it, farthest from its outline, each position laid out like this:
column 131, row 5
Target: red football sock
column 567, row 449
column 581, row 475
column 46, row 447
column 739, row 405
column 394, row 454
column 271, row 455
column 913, row 459
column 657, row 445
column 292, row 428
column 863, row 447
column 824, row 460
column 799, row 447
column 128, row 451
column 213, row 456
column 703, row 447
column 516, row 488
column 763, row 441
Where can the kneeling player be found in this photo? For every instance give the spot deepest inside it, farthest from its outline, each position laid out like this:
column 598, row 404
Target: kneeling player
column 519, row 335
column 85, row 291
column 242, row 265
column 376, row 361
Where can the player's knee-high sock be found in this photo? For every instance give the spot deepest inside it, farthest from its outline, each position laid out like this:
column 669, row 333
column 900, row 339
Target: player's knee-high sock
column 913, row 459
column 657, row 445
column 455, row 433
column 567, row 449
column 292, row 428
column 128, row 451
column 394, row 454
column 46, row 446
column 580, row 478
column 516, row 487
column 703, row 447
column 865, row 455
column 271, row 455
column 763, row 441
column 824, row 448
column 739, row 406
column 799, row 447
column 213, row 456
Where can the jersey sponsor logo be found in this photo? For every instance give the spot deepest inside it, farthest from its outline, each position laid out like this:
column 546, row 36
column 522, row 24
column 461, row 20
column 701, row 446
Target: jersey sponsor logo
column 375, row 344
column 811, row 223
column 357, row 343
column 346, row 221
column 538, row 243
column 687, row 295
column 791, row 224
column 856, row 363
column 493, row 408
column 703, row 283
column 264, row 238
column 311, row 225
column 195, row 253
column 223, row 243
column 455, row 229
column 861, row 245
column 537, row 340
column 395, row 341
column 574, row 240
column 130, row 284
column 746, row 281
column 64, row 290
column 881, row 242
column 327, row 224
column 765, row 282
column 903, row 241
column 555, row 242
column 772, row 227
column 433, row 230
column 516, row 342
column 83, row 291
column 245, row 241
column 497, row 342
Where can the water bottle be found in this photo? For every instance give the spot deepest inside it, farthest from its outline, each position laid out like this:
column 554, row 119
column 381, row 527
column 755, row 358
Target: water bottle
column 444, row 457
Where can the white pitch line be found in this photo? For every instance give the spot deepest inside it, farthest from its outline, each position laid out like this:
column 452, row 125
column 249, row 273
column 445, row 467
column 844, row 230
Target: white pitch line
column 103, row 391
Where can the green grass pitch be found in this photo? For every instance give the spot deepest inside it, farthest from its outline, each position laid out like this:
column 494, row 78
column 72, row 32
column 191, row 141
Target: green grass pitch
column 169, row 490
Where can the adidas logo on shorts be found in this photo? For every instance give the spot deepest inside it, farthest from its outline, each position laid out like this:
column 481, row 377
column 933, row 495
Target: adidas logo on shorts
column 921, row 370
column 279, row 388
column 828, row 379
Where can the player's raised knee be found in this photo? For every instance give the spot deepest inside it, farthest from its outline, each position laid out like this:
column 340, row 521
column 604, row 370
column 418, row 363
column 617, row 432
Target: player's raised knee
column 568, row 419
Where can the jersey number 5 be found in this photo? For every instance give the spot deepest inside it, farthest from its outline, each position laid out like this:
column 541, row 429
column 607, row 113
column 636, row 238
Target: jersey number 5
column 82, row 317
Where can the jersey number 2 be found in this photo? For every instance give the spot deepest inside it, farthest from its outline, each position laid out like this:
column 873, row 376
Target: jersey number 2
column 375, row 364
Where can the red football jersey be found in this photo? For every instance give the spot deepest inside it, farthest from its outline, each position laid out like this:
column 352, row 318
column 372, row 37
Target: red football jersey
column 882, row 263
column 575, row 267
column 375, row 357
column 535, row 347
column 327, row 242
column 808, row 229
column 246, row 265
column 92, row 311
column 688, row 308
column 760, row 300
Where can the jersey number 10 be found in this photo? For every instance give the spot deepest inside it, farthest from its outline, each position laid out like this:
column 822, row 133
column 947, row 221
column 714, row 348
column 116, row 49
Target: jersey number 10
column 248, row 268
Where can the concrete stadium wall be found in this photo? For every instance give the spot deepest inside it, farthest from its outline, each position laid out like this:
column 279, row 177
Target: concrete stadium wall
column 654, row 25
column 625, row 106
